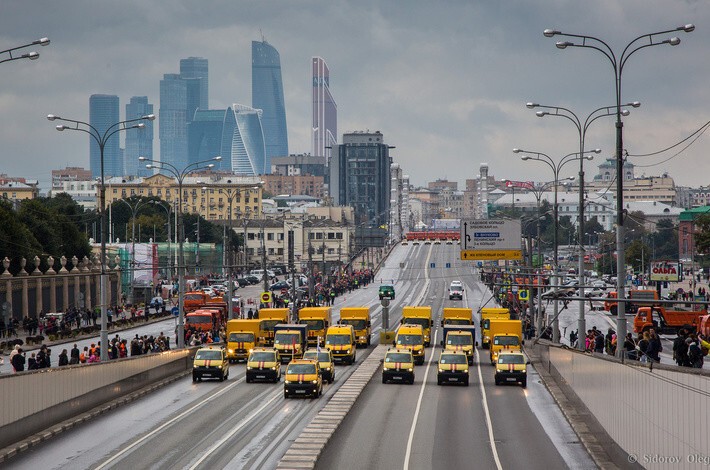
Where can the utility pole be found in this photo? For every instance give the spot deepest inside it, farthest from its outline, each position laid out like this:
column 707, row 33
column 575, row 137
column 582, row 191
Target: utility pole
column 265, row 276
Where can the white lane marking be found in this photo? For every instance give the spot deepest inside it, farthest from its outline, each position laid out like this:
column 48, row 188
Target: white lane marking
column 168, row 423
column 410, row 440
column 489, row 425
column 209, row 452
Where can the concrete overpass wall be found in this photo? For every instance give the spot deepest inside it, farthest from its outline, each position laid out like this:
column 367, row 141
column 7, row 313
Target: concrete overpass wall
column 33, row 401
column 658, row 415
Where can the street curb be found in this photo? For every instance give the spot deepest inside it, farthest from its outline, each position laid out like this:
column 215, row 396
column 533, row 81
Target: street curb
column 304, row 451
column 32, row 441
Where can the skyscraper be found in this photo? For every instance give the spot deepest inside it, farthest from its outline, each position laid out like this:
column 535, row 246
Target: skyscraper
column 205, row 136
column 180, row 96
column 360, row 177
column 325, row 111
column 197, row 68
column 139, row 143
column 103, row 113
column 267, row 94
column 248, row 147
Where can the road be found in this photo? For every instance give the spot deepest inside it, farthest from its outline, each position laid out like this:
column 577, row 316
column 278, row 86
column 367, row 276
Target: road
column 429, row 426
column 237, row 425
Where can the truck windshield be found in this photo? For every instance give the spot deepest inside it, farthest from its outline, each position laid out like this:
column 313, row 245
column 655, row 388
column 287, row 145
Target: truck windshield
column 313, row 324
column 357, row 324
column 506, row 341
column 458, row 339
column 410, row 339
column 214, row 355
column 194, row 297
column 297, row 369
column 398, row 357
column 424, row 322
column 337, row 339
column 262, row 357
column 241, row 337
column 287, row 338
column 268, row 325
column 456, row 321
column 511, row 359
column 322, row 357
column 201, row 319
column 452, row 359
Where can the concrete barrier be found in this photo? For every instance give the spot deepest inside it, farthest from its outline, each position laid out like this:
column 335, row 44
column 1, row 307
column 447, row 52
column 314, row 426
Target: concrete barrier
column 36, row 400
column 658, row 415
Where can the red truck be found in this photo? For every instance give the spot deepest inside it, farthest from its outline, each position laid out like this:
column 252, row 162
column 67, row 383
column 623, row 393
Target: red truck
column 667, row 321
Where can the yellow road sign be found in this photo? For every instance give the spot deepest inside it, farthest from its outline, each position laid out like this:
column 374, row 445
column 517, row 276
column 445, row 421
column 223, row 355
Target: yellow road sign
column 266, row 297
column 491, row 254
column 523, row 295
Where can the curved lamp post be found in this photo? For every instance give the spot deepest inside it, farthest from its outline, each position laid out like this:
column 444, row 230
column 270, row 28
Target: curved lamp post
column 556, row 168
column 134, row 211
column 101, row 138
column 641, row 42
column 582, row 128
column 168, row 209
column 180, row 175
column 30, row 55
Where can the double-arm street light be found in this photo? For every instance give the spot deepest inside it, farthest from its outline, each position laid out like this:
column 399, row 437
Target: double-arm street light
column 168, row 208
column 582, row 128
column 101, row 139
column 180, row 175
column 134, row 211
column 556, row 168
column 29, row 55
column 641, row 42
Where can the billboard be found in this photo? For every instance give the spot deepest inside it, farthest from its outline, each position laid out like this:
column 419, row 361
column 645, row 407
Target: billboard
column 665, row 271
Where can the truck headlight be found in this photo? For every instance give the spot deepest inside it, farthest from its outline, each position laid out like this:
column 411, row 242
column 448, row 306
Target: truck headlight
column 230, row 351
column 273, row 368
column 410, row 370
column 314, row 381
column 249, row 367
column 287, row 382
column 524, row 371
column 441, row 370
column 347, row 352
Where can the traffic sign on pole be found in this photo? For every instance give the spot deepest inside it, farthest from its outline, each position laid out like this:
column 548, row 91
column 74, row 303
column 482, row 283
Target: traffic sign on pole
column 265, row 297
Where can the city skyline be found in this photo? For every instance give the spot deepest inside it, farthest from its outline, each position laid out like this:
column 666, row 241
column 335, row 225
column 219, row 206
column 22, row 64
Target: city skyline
column 446, row 84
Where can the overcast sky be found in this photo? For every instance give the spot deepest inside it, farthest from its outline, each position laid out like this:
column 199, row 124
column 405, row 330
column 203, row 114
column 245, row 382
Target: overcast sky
column 446, row 81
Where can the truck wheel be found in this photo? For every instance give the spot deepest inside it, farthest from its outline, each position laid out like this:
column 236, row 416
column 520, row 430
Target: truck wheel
column 497, row 382
column 194, row 378
column 438, row 381
column 285, row 394
column 524, row 383
column 221, row 376
column 465, row 381
column 384, row 381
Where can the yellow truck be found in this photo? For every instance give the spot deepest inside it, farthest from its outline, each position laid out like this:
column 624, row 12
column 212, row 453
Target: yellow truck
column 457, row 316
column 506, row 335
column 419, row 316
column 318, row 320
column 488, row 314
column 359, row 318
column 340, row 339
column 411, row 337
column 269, row 318
column 242, row 337
column 460, row 338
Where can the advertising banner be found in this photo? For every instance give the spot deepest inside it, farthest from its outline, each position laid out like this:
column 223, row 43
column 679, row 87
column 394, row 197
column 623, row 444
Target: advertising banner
column 665, row 271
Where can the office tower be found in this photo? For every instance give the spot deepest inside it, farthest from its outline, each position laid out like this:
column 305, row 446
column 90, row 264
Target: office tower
column 180, row 96
column 325, row 111
column 248, row 146
column 360, row 177
column 103, row 113
column 139, row 143
column 205, row 136
column 196, row 68
column 267, row 94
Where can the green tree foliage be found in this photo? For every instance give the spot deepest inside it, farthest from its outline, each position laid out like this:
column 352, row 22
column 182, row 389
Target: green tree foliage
column 638, row 255
column 664, row 241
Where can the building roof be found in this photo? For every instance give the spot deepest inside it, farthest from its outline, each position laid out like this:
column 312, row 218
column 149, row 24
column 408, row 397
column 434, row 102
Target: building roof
column 691, row 214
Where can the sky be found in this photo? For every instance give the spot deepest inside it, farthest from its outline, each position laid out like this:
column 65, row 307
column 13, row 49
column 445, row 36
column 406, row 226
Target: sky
column 446, row 82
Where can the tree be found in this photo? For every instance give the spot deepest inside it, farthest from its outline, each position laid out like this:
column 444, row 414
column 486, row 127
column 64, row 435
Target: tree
column 638, row 254
column 702, row 234
column 664, row 241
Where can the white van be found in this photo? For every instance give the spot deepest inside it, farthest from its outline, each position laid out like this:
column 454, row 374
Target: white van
column 260, row 273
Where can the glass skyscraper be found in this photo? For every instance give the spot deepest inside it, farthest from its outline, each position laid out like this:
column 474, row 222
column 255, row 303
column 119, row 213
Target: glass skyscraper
column 139, row 142
column 267, row 94
column 205, row 135
column 180, row 96
column 325, row 111
column 248, row 145
column 103, row 113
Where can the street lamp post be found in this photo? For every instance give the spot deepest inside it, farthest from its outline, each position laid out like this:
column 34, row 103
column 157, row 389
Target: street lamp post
column 180, row 176
column 582, row 132
column 556, row 168
column 101, row 138
column 591, row 42
column 30, row 55
column 134, row 212
column 168, row 210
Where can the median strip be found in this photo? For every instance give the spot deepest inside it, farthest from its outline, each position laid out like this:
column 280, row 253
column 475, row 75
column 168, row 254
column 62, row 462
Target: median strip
column 307, row 448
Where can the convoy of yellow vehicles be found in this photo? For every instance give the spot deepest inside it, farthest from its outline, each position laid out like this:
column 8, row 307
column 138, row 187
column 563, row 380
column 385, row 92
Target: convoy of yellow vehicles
column 313, row 344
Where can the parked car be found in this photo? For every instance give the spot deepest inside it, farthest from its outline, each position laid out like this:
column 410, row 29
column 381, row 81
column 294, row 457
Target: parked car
column 280, row 285
column 243, row 282
column 252, row 279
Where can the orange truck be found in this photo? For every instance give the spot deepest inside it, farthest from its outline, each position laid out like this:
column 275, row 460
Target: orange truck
column 194, row 300
column 202, row 320
column 667, row 321
column 637, row 298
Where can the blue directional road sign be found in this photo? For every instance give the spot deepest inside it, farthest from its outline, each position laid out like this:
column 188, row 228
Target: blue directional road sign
column 175, row 311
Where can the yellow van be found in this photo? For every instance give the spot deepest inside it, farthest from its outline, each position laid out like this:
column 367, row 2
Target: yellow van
column 263, row 364
column 303, row 378
column 340, row 339
column 398, row 366
column 210, row 362
column 411, row 337
column 420, row 315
